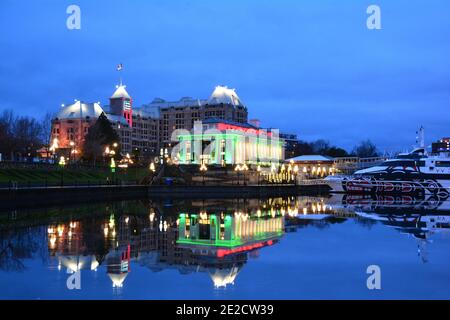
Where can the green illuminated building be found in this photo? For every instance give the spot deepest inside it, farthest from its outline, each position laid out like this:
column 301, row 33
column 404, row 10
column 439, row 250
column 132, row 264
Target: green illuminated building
column 224, row 142
column 231, row 232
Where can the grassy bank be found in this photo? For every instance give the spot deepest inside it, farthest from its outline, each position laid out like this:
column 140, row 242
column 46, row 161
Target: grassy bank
column 69, row 175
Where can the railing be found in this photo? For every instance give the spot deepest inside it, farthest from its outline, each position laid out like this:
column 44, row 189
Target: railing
column 15, row 185
column 311, row 182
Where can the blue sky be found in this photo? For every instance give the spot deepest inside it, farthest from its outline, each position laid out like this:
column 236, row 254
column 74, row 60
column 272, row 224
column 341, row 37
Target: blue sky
column 308, row 67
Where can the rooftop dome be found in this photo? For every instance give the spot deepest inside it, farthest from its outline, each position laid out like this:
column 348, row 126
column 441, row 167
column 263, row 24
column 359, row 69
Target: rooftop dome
column 225, row 95
column 121, row 92
column 80, row 110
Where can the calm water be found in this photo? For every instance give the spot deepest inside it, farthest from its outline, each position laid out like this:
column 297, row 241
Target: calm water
column 283, row 248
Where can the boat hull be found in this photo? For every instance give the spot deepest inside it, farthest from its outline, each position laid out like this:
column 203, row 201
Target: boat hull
column 371, row 185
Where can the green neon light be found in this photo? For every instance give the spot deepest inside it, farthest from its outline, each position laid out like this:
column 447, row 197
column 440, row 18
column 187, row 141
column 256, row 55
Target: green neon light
column 229, row 243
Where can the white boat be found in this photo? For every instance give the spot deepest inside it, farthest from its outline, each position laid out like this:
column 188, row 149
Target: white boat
column 414, row 173
column 411, row 173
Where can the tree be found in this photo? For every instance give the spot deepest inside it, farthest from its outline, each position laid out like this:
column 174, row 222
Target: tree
column 320, row 146
column 6, row 134
column 100, row 135
column 27, row 133
column 336, row 152
column 366, row 149
column 46, row 124
column 20, row 136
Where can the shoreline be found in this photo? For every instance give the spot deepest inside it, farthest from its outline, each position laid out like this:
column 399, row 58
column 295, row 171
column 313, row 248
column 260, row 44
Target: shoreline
column 11, row 199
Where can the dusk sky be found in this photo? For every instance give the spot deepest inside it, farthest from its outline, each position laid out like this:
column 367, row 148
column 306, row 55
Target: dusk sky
column 306, row 67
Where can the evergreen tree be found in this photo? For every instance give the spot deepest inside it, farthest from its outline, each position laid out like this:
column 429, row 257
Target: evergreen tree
column 100, row 136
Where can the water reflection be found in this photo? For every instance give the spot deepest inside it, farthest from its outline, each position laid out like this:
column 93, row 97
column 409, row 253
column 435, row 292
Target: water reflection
column 213, row 238
column 423, row 217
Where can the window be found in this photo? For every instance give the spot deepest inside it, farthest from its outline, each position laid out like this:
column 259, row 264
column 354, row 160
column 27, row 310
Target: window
column 399, row 164
column 445, row 164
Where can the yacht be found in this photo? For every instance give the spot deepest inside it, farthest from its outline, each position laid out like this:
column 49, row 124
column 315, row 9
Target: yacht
column 410, row 173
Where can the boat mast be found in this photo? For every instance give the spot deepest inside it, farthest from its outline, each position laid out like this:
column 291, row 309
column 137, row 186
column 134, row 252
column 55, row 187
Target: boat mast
column 420, row 139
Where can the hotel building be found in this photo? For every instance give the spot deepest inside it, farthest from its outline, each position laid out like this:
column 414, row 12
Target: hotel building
column 145, row 130
column 442, row 145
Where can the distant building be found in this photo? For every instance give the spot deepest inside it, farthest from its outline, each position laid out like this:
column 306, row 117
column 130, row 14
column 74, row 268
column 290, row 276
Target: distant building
column 144, row 130
column 223, row 104
column 314, row 166
column 71, row 124
column 442, row 145
column 290, row 144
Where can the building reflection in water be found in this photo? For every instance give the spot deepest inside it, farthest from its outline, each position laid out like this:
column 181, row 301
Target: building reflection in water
column 212, row 237
column 218, row 237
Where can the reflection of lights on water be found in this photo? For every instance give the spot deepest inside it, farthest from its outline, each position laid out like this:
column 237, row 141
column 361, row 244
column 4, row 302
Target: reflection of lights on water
column 52, row 241
column 94, row 265
column 105, row 231
column 127, row 219
column 60, row 230
column 59, row 266
column 70, row 234
column 114, row 233
column 305, row 211
column 258, row 213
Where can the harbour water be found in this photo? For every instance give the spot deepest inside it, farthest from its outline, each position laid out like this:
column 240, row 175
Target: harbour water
column 280, row 248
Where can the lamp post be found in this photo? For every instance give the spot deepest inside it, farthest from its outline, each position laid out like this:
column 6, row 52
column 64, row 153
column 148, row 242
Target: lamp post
column 296, row 169
column 283, row 169
column 106, row 154
column 259, row 174
column 203, row 169
column 238, row 169
column 245, row 169
column 72, row 145
column 62, row 163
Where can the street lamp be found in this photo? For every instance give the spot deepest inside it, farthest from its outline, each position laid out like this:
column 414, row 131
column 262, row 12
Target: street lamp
column 152, row 167
column 258, row 169
column 203, row 169
column 238, row 169
column 62, row 163
column 245, row 169
column 296, row 169
column 72, row 145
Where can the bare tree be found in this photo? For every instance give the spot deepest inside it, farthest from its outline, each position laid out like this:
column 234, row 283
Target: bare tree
column 366, row 149
column 46, row 125
column 20, row 136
